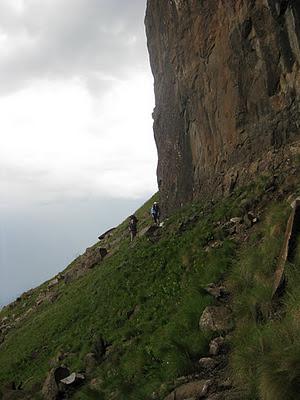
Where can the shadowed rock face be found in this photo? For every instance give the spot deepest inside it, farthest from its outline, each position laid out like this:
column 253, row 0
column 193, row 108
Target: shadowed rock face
column 227, row 86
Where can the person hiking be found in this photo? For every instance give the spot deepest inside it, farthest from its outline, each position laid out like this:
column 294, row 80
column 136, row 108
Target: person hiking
column 132, row 226
column 155, row 212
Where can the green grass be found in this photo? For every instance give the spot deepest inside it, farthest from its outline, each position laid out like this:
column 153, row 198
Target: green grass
column 266, row 344
column 146, row 300
column 158, row 284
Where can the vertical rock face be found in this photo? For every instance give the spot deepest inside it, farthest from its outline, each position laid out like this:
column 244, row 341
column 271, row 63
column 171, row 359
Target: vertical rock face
column 227, row 86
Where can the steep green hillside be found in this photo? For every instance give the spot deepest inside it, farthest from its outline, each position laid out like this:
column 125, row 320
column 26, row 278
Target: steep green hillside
column 138, row 310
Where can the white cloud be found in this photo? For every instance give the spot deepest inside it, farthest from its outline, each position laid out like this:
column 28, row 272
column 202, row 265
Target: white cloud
column 76, row 138
column 76, row 101
column 58, row 140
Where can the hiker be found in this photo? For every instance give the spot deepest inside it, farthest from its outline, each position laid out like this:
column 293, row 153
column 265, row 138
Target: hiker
column 132, row 226
column 155, row 212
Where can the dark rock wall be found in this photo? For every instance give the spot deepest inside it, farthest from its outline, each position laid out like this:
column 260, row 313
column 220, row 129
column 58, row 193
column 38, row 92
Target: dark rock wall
column 227, row 85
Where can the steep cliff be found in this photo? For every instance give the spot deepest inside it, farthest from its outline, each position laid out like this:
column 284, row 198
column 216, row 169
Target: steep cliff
column 227, row 85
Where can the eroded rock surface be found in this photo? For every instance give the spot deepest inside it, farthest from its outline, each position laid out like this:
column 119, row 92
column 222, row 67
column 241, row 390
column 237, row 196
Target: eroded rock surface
column 227, row 86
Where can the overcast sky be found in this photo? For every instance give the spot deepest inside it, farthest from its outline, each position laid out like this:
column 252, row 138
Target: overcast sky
column 77, row 152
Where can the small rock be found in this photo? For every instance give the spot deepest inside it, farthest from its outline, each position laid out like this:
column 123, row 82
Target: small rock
column 216, row 346
column 208, row 363
column 236, row 220
column 73, row 379
column 53, row 283
column 197, row 389
column 216, row 319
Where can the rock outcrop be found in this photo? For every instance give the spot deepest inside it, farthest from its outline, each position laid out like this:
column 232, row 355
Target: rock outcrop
column 227, row 85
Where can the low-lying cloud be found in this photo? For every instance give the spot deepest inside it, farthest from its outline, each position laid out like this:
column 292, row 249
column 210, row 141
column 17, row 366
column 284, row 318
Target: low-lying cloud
column 76, row 100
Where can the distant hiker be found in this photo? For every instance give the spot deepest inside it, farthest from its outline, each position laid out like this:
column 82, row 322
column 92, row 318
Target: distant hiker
column 155, row 212
column 132, row 226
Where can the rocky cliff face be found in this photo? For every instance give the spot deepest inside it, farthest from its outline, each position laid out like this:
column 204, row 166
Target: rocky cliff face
column 227, row 86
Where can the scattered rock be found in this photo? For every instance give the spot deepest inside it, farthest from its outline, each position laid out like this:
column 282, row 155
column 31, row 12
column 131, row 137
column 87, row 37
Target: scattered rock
column 216, row 346
column 197, row 390
column 216, row 319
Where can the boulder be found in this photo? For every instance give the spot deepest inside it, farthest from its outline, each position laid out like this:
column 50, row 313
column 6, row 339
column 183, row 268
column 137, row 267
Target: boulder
column 196, row 389
column 216, row 319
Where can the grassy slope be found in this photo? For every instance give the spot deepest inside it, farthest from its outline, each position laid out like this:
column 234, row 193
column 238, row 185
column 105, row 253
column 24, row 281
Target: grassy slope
column 163, row 284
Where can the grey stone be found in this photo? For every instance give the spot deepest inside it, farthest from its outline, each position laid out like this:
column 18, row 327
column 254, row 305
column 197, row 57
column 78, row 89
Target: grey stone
column 216, row 319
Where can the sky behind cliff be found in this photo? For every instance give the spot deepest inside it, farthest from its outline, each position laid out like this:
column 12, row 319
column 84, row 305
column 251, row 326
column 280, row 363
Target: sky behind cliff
column 77, row 152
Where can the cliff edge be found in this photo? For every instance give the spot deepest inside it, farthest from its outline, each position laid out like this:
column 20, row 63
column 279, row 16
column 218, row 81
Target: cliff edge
column 227, row 87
